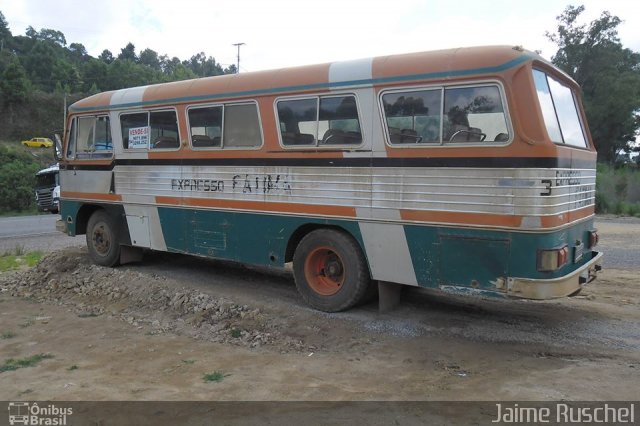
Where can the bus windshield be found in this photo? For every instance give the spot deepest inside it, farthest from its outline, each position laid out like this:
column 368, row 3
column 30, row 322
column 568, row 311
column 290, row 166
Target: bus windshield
column 559, row 110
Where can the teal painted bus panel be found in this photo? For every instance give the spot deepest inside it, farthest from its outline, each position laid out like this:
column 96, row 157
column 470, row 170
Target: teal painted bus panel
column 465, row 257
column 251, row 238
column 70, row 209
column 472, row 262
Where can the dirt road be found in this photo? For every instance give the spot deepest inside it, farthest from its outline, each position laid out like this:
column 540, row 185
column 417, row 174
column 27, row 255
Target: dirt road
column 152, row 331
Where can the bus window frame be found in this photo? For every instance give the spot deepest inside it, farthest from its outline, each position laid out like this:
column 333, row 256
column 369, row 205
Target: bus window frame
column 74, row 126
column 317, row 146
column 224, row 105
column 442, row 143
column 148, row 112
column 561, row 78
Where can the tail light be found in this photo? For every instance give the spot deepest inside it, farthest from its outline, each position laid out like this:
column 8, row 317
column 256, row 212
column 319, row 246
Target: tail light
column 551, row 260
column 594, row 238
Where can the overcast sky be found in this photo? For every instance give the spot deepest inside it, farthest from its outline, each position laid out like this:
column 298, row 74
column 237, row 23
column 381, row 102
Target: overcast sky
column 280, row 33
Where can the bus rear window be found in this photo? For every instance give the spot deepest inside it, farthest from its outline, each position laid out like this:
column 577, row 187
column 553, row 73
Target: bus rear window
column 559, row 110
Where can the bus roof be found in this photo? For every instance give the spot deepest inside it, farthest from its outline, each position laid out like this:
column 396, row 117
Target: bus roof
column 436, row 65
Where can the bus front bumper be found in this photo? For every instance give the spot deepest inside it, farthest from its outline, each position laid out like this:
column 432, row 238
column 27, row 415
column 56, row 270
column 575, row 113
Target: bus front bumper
column 541, row 289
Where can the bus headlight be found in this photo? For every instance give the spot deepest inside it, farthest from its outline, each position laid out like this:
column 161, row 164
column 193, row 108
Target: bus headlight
column 551, row 260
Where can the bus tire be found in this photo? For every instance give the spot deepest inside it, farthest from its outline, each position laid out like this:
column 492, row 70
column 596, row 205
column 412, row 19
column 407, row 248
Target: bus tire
column 330, row 270
column 102, row 239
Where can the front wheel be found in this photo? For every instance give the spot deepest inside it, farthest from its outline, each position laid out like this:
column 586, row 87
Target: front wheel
column 102, row 239
column 330, row 270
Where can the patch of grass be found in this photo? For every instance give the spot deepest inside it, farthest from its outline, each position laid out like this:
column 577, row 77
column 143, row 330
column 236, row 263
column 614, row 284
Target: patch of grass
column 216, row 376
column 235, row 333
column 188, row 361
column 8, row 262
column 32, row 258
column 17, row 257
column 13, row 364
column 73, row 367
column 8, row 335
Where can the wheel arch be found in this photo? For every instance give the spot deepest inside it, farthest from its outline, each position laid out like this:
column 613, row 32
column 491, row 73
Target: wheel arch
column 115, row 211
column 307, row 228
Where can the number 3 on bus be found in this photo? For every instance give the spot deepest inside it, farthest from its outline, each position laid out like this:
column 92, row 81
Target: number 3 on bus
column 470, row 170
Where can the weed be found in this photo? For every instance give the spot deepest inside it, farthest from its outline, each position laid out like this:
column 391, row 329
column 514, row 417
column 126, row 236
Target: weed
column 216, row 376
column 188, row 361
column 235, row 333
column 8, row 335
column 19, row 250
column 73, row 367
column 27, row 323
column 13, row 364
column 87, row 315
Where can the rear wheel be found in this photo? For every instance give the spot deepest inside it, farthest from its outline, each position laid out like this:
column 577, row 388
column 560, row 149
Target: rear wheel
column 330, row 270
column 102, row 239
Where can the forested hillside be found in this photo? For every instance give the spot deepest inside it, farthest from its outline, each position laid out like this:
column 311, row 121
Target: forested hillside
column 41, row 69
column 38, row 69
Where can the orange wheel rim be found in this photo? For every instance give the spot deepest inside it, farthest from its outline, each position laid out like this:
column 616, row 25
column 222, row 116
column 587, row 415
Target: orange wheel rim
column 324, row 270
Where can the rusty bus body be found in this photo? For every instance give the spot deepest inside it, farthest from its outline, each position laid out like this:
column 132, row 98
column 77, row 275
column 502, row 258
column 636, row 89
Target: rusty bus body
column 467, row 170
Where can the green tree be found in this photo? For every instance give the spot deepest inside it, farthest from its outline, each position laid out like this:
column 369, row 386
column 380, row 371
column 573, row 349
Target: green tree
column 128, row 53
column 203, row 66
column 48, row 35
column 5, row 33
column 106, row 56
column 150, row 58
column 17, row 180
column 14, row 84
column 608, row 73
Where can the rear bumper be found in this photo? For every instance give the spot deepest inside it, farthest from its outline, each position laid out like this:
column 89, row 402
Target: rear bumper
column 541, row 289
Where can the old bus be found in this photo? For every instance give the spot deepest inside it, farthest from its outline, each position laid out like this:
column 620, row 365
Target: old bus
column 468, row 170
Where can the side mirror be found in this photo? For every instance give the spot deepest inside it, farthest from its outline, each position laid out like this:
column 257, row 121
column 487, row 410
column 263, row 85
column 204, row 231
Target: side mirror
column 57, row 147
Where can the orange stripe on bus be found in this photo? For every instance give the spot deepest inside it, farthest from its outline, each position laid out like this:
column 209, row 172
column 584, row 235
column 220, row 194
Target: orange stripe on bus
column 507, row 221
column 91, row 196
column 494, row 220
column 564, row 218
column 260, row 206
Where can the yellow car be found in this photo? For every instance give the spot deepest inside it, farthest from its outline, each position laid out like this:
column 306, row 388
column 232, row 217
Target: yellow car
column 38, row 143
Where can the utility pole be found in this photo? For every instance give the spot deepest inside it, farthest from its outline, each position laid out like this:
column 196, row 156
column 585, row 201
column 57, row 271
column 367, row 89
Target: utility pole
column 238, row 46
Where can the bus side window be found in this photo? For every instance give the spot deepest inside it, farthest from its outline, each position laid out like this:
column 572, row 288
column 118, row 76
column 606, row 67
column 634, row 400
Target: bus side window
column 205, row 127
column 85, row 137
column 474, row 114
column 298, row 121
column 338, row 121
column 317, row 121
column 135, row 130
column 241, row 126
column 413, row 116
column 71, row 147
column 103, row 144
column 163, row 129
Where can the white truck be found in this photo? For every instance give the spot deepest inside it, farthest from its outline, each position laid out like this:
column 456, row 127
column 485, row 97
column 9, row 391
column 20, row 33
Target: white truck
column 48, row 189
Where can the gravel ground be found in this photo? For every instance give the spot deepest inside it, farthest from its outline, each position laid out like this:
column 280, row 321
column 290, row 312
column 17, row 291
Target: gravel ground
column 150, row 331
